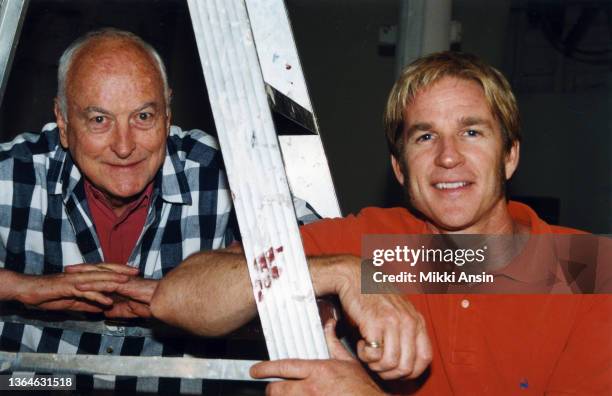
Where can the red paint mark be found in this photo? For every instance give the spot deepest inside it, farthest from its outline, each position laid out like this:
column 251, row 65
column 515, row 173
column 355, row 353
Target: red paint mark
column 270, row 255
column 268, row 272
column 262, row 262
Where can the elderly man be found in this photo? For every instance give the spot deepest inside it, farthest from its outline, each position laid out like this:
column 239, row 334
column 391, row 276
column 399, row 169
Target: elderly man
column 453, row 129
column 112, row 184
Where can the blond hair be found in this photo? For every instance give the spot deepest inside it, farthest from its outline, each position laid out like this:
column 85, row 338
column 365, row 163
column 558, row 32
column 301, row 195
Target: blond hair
column 426, row 71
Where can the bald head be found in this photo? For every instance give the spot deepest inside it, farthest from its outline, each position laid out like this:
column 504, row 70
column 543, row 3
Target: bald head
column 107, row 49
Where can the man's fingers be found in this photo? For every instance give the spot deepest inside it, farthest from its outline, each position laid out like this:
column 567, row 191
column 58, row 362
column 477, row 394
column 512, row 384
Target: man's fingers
column 73, row 305
column 71, row 269
column 120, row 310
column 106, row 287
column 416, row 352
column 96, row 297
column 372, row 333
column 286, row 368
column 141, row 310
column 424, row 352
column 85, row 307
column 408, row 354
column 368, row 354
column 391, row 351
column 336, row 349
column 118, row 268
column 98, row 276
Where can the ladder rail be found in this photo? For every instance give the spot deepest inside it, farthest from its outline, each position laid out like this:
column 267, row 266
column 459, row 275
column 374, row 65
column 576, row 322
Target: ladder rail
column 277, row 266
column 12, row 14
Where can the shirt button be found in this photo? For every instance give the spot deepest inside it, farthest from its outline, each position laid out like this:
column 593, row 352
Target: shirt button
column 465, row 303
column 109, row 350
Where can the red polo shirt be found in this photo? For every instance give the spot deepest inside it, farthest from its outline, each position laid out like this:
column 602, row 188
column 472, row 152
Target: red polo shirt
column 493, row 344
column 117, row 234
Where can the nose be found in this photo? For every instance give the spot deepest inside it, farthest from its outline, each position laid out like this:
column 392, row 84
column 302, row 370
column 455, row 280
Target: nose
column 449, row 153
column 123, row 143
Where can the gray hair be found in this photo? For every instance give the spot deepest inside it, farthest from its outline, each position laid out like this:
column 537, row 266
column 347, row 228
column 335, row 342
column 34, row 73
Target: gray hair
column 67, row 57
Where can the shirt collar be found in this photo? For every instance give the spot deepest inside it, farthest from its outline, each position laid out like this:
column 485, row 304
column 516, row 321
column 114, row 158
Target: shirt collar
column 174, row 185
column 93, row 193
column 63, row 176
column 539, row 249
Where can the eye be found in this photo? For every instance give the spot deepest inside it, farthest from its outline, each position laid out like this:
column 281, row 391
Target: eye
column 424, row 137
column 472, row 133
column 143, row 120
column 99, row 123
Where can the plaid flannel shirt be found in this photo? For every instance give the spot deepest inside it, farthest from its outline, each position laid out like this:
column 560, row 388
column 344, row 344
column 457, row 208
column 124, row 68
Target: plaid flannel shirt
column 45, row 225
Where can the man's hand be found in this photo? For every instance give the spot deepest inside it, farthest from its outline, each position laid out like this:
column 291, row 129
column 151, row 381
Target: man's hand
column 60, row 292
column 130, row 299
column 404, row 349
column 341, row 375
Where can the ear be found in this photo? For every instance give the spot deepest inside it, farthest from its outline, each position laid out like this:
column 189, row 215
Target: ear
column 397, row 170
column 168, row 111
column 62, row 123
column 512, row 159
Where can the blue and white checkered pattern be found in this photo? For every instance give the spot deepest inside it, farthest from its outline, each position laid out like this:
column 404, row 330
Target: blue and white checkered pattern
column 45, row 225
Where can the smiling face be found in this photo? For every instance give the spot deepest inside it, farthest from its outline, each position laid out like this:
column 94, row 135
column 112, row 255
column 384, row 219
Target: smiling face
column 453, row 163
column 117, row 121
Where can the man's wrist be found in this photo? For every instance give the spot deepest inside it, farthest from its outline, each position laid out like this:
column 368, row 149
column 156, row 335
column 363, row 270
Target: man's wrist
column 15, row 286
column 333, row 274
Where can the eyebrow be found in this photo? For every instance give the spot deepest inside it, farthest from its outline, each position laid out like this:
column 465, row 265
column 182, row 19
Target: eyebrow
column 419, row 126
column 470, row 121
column 144, row 106
column 97, row 109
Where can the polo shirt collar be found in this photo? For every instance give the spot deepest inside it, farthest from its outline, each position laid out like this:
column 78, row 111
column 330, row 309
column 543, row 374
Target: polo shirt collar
column 539, row 248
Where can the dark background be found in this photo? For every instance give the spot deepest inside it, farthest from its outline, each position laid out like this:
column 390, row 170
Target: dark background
column 556, row 54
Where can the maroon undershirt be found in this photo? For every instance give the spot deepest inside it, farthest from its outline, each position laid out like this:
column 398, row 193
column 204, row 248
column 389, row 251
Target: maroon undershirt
column 117, row 235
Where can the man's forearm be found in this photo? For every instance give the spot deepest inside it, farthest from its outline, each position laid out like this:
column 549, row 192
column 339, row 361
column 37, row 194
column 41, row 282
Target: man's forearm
column 9, row 284
column 208, row 294
column 211, row 294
